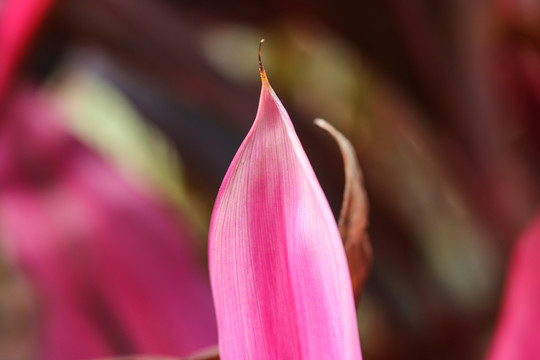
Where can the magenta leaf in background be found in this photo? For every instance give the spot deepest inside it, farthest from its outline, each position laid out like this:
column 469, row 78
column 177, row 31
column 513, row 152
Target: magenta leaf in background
column 112, row 268
column 517, row 333
column 18, row 21
column 278, row 269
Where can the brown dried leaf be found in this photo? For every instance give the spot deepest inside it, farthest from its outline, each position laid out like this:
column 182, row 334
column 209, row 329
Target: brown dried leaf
column 353, row 219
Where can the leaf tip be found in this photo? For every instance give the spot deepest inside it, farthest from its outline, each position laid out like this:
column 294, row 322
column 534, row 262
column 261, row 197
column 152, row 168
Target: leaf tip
column 264, row 78
column 325, row 125
column 321, row 123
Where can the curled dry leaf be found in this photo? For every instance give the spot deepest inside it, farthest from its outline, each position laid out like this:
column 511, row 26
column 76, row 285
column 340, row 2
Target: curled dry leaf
column 353, row 219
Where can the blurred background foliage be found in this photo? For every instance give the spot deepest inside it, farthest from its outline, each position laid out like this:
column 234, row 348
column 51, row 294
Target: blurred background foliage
column 440, row 98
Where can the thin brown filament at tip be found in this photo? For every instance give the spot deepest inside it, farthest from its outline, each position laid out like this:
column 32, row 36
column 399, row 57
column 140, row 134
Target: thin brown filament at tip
column 261, row 67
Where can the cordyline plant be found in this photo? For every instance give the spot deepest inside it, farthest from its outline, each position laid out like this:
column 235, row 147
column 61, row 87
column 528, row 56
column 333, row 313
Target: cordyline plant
column 277, row 263
column 278, row 268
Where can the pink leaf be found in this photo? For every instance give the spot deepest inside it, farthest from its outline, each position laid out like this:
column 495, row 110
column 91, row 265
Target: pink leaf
column 278, row 269
column 18, row 21
column 518, row 330
column 112, row 268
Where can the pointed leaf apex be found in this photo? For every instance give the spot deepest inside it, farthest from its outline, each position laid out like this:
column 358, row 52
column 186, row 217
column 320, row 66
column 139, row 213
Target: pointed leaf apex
column 261, row 67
